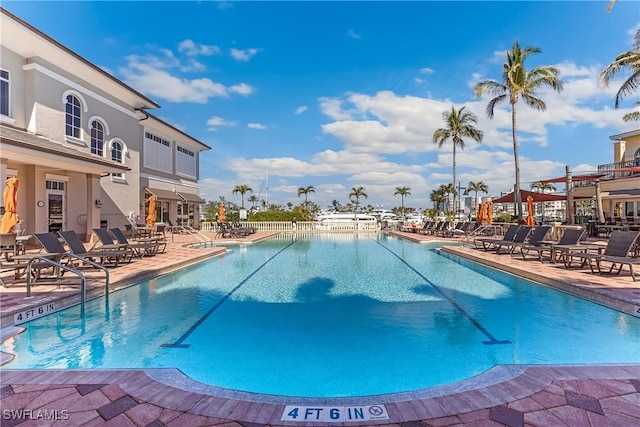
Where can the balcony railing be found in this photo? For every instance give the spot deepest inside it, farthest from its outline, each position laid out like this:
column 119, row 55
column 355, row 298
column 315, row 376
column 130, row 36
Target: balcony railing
column 610, row 169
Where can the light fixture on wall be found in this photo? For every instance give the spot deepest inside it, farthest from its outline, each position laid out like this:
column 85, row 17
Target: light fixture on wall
column 98, row 203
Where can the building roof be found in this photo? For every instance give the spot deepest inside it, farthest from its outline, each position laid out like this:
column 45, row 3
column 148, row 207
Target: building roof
column 204, row 146
column 28, row 41
column 623, row 135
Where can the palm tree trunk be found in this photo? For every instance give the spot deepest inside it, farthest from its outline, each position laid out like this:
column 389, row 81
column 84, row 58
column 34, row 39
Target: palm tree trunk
column 475, row 207
column 455, row 211
column 517, row 163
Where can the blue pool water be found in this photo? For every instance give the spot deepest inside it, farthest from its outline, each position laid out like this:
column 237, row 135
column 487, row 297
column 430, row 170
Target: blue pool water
column 330, row 315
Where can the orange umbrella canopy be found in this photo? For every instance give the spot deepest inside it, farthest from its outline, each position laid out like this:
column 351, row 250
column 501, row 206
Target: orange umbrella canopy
column 530, row 219
column 221, row 212
column 10, row 195
column 151, row 215
column 490, row 212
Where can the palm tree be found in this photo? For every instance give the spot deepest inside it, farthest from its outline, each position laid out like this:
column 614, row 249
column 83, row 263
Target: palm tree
column 447, row 190
column 242, row 189
column 475, row 187
column 402, row 191
column 357, row 192
column 253, row 199
column 543, row 187
column 518, row 83
column 626, row 60
column 438, row 196
column 459, row 124
column 306, row 191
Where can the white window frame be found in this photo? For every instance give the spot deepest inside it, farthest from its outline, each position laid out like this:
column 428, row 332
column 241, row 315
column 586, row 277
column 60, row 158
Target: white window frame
column 105, row 133
column 79, row 140
column 7, row 118
column 118, row 176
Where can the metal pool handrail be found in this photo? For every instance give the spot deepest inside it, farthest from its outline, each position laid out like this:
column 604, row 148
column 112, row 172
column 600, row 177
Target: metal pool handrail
column 66, row 267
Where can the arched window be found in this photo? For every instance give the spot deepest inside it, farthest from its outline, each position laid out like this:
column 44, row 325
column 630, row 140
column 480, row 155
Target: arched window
column 116, row 155
column 73, row 116
column 97, row 138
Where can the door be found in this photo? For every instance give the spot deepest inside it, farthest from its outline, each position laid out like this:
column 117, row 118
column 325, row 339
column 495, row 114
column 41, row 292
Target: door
column 55, row 209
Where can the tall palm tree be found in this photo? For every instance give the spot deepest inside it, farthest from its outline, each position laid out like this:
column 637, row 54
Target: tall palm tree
column 630, row 61
column 306, row 191
column 476, row 187
column 402, row 191
column 459, row 125
column 517, row 82
column 242, row 189
column 356, row 193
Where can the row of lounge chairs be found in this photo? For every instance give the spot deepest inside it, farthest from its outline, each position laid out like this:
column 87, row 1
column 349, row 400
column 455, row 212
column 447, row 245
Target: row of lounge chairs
column 113, row 249
column 233, row 230
column 527, row 240
column 445, row 228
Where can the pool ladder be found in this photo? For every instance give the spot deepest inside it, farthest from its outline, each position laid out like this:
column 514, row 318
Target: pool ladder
column 66, row 267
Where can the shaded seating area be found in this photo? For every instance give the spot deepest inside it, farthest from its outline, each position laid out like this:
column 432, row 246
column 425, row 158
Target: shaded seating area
column 616, row 254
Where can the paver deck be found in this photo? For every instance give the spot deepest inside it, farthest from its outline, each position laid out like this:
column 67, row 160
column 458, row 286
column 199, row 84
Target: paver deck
column 581, row 395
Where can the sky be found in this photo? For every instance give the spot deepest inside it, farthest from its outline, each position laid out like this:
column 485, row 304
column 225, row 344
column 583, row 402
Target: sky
column 337, row 95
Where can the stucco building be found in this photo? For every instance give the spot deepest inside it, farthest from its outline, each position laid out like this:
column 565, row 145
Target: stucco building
column 82, row 143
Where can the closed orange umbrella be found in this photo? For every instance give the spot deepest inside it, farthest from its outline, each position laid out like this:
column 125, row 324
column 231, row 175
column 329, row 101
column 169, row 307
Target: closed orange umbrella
column 618, row 209
column 490, row 212
column 221, row 212
column 151, row 215
column 480, row 213
column 530, row 219
column 10, row 195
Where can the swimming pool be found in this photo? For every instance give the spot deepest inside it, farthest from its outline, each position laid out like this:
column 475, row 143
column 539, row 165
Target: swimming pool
column 329, row 316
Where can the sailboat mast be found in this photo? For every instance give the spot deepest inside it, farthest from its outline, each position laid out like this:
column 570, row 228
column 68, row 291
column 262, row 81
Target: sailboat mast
column 266, row 198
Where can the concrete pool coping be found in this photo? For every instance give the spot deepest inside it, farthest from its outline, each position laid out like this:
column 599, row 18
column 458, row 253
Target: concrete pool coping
column 503, row 395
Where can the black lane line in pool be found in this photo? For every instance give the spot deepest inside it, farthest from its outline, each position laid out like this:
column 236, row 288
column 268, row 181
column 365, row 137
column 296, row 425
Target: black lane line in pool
column 178, row 343
column 492, row 340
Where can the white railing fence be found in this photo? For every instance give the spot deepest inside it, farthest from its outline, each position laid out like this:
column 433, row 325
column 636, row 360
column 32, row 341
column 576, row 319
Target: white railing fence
column 302, row 226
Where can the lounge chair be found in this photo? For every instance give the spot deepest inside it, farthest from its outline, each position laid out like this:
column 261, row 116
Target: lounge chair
column 8, row 245
column 139, row 247
column 521, row 237
column 535, row 240
column 106, row 242
column 76, row 247
column 616, row 252
column 569, row 240
column 487, row 243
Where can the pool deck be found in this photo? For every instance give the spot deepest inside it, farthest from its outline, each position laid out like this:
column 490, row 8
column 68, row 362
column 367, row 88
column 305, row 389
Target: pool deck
column 577, row 395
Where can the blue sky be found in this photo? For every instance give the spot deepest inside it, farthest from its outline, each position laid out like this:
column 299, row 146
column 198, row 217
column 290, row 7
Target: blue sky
column 344, row 94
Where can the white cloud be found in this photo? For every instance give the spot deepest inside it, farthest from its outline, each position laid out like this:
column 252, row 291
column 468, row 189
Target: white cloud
column 256, row 126
column 353, row 34
column 215, row 122
column 427, row 70
column 151, row 75
column 191, row 48
column 243, row 54
column 301, row 110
